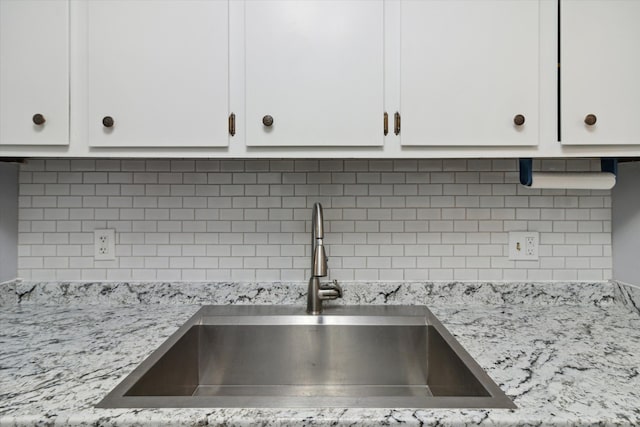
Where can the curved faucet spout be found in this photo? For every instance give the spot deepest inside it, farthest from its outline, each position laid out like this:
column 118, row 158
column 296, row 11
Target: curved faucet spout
column 318, row 253
column 319, row 262
column 317, row 292
column 317, row 222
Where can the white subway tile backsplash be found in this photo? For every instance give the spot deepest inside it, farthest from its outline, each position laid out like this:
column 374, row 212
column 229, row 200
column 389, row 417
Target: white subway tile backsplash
column 250, row 220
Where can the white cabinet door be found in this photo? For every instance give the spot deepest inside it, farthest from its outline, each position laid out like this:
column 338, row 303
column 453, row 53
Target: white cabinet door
column 34, row 72
column 600, row 71
column 159, row 70
column 468, row 68
column 316, row 68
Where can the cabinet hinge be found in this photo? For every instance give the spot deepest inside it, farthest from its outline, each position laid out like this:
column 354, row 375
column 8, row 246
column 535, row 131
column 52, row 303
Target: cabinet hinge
column 386, row 123
column 396, row 123
column 232, row 124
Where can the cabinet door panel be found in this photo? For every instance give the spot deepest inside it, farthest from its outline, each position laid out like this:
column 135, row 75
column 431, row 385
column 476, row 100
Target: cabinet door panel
column 316, row 67
column 468, row 67
column 159, row 68
column 600, row 68
column 34, row 72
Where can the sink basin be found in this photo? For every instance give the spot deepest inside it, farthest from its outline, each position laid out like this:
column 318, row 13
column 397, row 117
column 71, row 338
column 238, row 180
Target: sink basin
column 279, row 356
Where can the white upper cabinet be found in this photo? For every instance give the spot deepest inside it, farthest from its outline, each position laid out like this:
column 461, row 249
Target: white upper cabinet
column 600, row 71
column 470, row 72
column 316, row 78
column 314, row 72
column 158, row 73
column 34, row 72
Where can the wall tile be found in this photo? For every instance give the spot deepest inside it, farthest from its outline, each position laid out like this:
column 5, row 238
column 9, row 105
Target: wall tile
column 385, row 219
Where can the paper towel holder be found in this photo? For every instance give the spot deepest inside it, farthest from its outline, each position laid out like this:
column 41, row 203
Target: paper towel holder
column 607, row 164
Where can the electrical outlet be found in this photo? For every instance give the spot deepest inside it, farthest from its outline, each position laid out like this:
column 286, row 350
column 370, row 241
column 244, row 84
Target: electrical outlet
column 523, row 245
column 104, row 244
column 531, row 246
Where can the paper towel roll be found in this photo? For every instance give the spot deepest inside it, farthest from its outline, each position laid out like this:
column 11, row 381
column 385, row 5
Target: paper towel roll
column 574, row 180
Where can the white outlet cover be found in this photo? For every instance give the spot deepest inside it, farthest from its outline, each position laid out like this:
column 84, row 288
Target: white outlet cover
column 104, row 244
column 523, row 245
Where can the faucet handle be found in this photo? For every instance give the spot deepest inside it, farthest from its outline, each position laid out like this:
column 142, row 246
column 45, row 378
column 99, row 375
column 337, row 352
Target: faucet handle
column 337, row 288
column 333, row 286
column 329, row 291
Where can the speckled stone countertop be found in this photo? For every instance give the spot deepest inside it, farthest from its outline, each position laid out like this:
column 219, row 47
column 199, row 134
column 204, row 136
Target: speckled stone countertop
column 567, row 354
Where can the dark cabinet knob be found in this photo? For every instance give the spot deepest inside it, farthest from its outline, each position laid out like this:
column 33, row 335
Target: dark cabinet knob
column 108, row 122
column 38, row 119
column 267, row 120
column 591, row 119
column 518, row 120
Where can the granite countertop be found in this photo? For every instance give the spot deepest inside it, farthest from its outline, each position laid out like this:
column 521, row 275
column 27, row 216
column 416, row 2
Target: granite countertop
column 567, row 354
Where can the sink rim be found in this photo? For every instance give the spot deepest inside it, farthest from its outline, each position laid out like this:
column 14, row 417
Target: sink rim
column 410, row 315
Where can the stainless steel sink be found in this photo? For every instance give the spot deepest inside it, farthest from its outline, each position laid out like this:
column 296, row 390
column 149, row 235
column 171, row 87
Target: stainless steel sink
column 274, row 356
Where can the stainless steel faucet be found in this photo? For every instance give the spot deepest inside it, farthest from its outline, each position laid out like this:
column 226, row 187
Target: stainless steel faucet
column 319, row 292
